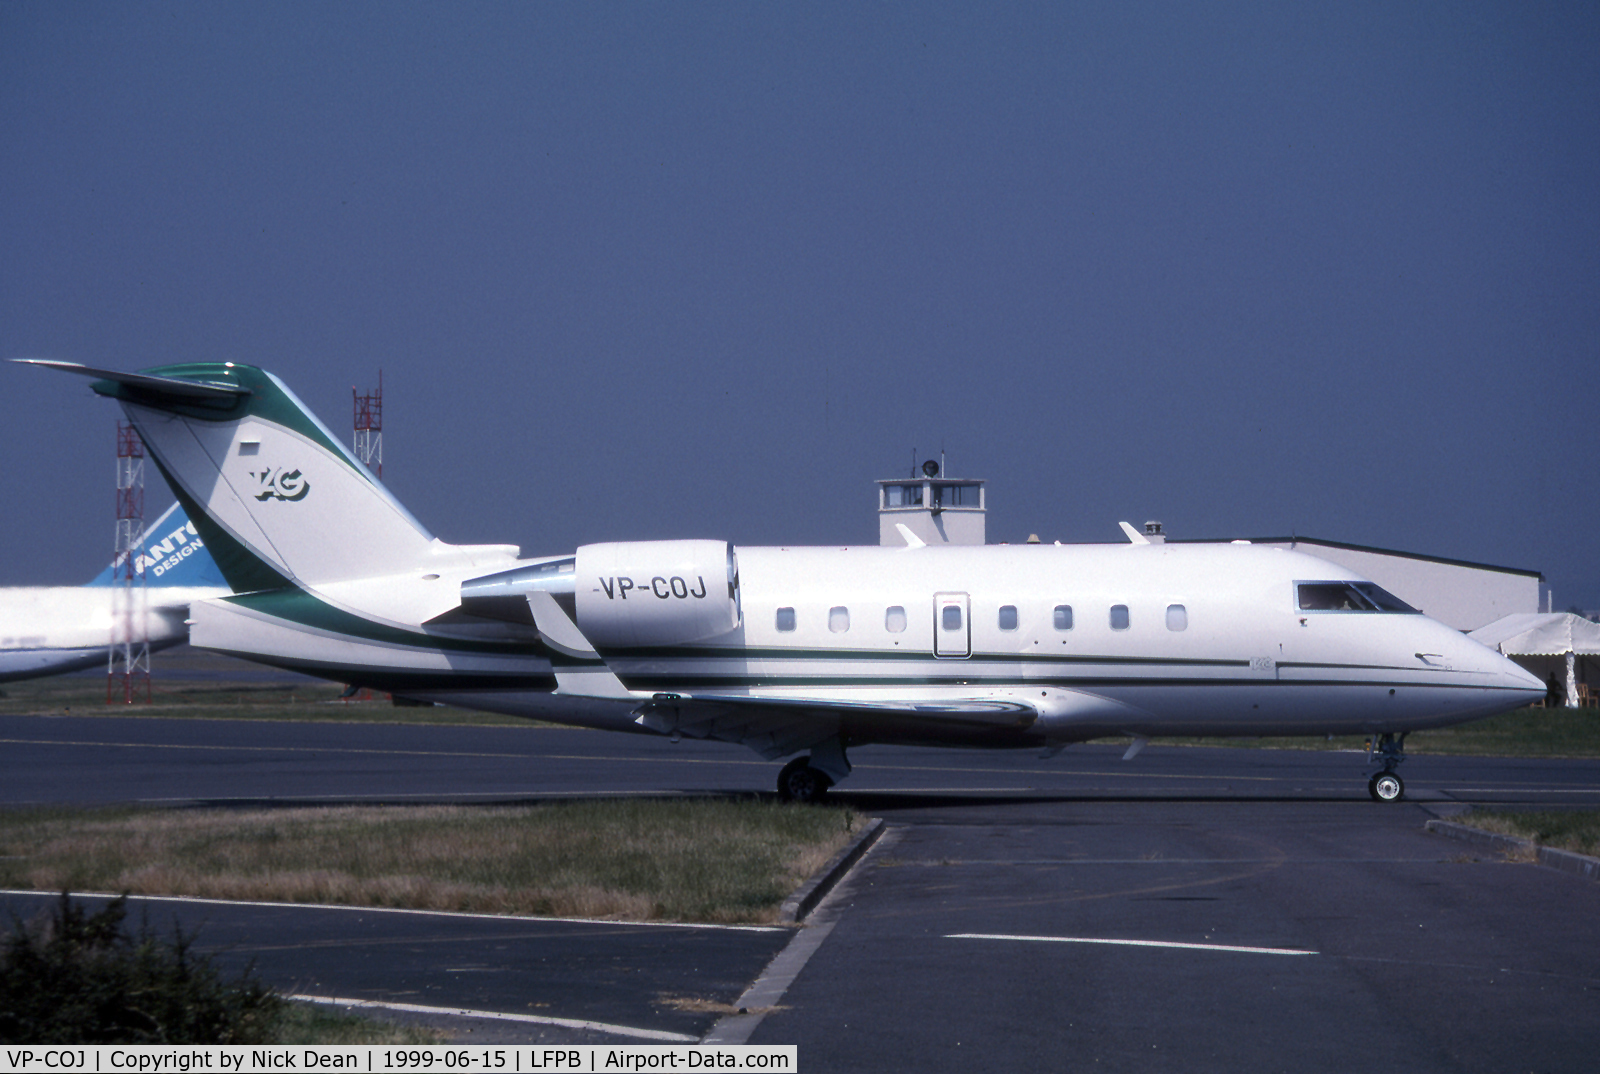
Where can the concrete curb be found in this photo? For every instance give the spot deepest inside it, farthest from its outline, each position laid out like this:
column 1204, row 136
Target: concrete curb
column 1564, row 860
column 805, row 899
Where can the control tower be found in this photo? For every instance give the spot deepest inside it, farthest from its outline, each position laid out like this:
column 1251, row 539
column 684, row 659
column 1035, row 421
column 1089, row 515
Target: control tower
column 937, row 510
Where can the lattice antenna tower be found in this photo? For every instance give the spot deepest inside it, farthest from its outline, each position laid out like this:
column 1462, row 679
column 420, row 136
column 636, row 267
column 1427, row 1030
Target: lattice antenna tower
column 128, row 653
column 369, row 427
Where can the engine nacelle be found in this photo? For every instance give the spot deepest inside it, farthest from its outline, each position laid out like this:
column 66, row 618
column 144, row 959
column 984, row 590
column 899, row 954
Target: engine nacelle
column 637, row 593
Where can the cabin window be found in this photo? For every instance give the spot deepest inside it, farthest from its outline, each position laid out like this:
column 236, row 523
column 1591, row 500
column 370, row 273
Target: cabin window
column 894, row 620
column 1349, row 597
column 838, row 620
column 903, row 495
column 1063, row 617
column 785, row 619
column 1119, row 617
column 1008, row 617
column 1177, row 617
column 950, row 617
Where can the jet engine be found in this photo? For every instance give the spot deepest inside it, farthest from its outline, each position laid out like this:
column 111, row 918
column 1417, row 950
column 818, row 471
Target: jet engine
column 636, row 593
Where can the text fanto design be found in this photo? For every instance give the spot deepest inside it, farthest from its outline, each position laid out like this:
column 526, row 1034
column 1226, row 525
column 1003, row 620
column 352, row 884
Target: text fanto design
column 282, row 484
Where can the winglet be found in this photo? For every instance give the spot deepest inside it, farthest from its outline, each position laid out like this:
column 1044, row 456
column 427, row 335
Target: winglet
column 591, row 677
column 1133, row 535
column 911, row 539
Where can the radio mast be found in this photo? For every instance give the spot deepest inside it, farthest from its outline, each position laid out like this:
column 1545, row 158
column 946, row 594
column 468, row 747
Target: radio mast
column 128, row 653
column 369, row 428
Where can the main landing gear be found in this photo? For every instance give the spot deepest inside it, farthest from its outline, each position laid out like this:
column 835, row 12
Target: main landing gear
column 807, row 779
column 799, row 782
column 1386, row 784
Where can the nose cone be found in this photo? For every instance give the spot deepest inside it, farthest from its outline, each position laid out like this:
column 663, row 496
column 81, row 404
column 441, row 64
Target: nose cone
column 1517, row 685
column 1520, row 679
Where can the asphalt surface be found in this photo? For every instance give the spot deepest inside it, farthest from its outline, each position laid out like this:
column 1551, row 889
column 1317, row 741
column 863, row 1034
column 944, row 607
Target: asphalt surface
column 978, row 934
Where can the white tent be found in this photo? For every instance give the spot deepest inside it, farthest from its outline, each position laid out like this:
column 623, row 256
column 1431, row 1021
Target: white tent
column 1549, row 635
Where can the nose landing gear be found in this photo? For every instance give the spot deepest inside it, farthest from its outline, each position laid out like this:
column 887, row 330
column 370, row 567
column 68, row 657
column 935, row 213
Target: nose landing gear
column 1386, row 784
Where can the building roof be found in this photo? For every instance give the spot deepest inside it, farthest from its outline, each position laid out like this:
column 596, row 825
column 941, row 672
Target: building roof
column 1294, row 540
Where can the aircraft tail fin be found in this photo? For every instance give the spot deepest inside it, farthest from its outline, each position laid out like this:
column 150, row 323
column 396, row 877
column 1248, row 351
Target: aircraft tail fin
column 273, row 494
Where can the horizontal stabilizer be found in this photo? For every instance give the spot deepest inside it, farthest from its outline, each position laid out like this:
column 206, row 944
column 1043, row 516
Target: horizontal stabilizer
column 143, row 386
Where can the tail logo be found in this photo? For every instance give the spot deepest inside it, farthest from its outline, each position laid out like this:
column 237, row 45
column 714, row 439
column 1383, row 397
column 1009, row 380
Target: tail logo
column 290, row 485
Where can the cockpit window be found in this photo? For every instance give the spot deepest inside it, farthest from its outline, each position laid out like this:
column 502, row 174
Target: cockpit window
column 1349, row 597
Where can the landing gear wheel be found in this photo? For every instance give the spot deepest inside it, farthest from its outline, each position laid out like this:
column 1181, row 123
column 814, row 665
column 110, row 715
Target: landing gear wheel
column 799, row 782
column 1386, row 787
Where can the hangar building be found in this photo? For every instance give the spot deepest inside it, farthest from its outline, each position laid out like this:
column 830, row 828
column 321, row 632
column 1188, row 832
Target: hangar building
column 933, row 508
column 1457, row 593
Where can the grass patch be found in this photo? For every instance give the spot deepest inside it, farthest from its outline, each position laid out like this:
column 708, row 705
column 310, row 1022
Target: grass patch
column 1576, row 830
column 298, row 701
column 317, row 1023
column 1524, row 732
column 637, row 860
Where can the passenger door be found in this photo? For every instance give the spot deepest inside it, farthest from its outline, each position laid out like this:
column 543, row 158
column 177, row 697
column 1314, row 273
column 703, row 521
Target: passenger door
column 952, row 626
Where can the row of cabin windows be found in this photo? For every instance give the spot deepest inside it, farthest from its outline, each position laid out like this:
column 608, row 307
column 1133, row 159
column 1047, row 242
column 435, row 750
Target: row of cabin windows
column 894, row 619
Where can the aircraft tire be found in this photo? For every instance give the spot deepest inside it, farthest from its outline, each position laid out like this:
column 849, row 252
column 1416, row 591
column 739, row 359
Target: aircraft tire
column 799, row 782
column 1386, row 787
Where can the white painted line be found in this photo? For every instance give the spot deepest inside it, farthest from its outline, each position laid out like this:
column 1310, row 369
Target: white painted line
column 461, row 1012
column 517, row 918
column 1135, row 943
column 768, row 989
column 1511, row 788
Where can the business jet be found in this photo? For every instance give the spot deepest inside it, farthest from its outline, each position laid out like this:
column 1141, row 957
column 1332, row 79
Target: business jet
column 786, row 650
column 48, row 630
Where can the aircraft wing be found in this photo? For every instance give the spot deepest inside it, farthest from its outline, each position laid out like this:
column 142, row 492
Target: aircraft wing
column 777, row 726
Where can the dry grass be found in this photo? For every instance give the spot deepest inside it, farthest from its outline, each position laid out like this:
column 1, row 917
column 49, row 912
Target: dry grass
column 695, row 860
column 315, row 1023
column 294, row 701
column 1576, row 830
column 700, row 1005
column 1524, row 732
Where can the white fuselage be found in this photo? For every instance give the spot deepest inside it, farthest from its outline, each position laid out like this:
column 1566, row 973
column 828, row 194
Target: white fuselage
column 780, row 649
column 1159, row 639
column 1082, row 640
column 52, row 629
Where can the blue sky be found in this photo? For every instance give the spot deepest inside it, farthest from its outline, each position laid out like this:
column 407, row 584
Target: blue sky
column 666, row 270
